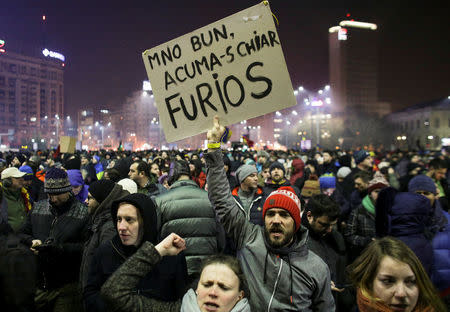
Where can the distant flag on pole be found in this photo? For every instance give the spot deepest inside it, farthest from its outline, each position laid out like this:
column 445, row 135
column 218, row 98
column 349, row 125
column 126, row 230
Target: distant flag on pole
column 247, row 140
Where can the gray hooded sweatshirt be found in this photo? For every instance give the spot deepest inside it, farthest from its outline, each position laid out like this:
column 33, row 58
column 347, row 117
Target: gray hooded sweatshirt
column 285, row 279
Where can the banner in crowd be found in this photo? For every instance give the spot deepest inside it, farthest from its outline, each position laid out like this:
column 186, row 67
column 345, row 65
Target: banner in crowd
column 233, row 68
column 67, row 144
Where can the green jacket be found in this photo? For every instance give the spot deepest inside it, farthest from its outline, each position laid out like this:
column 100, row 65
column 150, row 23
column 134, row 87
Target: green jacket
column 14, row 209
column 185, row 209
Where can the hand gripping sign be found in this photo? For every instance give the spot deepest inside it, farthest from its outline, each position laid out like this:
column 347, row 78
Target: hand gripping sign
column 233, row 68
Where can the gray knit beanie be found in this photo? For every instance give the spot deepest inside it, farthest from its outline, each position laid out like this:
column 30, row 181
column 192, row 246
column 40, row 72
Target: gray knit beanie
column 244, row 171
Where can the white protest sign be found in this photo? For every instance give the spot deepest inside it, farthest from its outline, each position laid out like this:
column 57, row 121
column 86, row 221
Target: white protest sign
column 233, row 68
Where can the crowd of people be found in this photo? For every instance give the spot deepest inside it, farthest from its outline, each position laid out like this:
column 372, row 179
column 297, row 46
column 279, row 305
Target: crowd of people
column 225, row 230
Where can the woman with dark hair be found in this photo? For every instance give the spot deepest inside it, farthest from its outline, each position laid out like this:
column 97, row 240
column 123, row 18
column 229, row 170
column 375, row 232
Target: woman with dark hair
column 112, row 174
column 388, row 276
column 136, row 222
column 221, row 288
column 197, row 174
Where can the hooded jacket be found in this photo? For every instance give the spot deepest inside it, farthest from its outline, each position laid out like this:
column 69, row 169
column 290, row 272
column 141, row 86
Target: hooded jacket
column 286, row 279
column 440, row 274
column 167, row 281
column 119, row 288
column 186, row 210
column 76, row 179
column 101, row 229
column 298, row 171
column 408, row 219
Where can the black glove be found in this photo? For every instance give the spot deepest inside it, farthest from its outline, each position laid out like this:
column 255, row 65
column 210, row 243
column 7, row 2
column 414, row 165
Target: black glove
column 52, row 249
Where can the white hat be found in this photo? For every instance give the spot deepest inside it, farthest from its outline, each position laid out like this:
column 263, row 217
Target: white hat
column 12, row 172
column 343, row 172
column 128, row 185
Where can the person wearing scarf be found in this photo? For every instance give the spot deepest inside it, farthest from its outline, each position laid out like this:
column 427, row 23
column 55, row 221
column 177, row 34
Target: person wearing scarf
column 360, row 230
column 389, row 277
column 218, row 271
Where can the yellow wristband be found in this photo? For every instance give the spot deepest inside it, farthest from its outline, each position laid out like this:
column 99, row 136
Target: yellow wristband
column 214, row 145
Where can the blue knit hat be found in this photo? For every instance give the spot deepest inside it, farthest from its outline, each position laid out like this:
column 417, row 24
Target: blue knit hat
column 56, row 181
column 422, row 182
column 360, row 156
column 327, row 182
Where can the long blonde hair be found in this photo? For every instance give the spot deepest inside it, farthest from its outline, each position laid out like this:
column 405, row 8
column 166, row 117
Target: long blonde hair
column 363, row 270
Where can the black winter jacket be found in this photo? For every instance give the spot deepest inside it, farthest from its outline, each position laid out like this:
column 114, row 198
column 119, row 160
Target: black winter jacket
column 167, row 282
column 64, row 228
column 331, row 249
column 101, row 229
column 270, row 187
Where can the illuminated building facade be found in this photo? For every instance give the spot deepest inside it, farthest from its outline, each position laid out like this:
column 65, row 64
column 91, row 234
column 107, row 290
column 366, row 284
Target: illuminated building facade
column 31, row 98
column 424, row 125
column 353, row 57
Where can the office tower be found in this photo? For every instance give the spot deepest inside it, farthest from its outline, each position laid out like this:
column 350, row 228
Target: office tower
column 353, row 56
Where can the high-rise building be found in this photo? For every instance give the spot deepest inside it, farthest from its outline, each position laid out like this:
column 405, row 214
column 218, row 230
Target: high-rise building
column 353, row 56
column 31, row 96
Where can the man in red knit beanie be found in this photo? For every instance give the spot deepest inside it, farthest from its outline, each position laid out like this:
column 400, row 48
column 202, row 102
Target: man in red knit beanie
column 281, row 214
column 282, row 273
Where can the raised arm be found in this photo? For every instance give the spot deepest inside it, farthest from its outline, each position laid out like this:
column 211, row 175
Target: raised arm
column 219, row 193
column 119, row 290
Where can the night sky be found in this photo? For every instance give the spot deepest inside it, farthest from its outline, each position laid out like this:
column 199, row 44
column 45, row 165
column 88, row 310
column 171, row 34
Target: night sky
column 103, row 41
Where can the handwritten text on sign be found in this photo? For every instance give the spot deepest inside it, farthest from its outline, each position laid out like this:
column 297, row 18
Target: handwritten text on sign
column 233, row 68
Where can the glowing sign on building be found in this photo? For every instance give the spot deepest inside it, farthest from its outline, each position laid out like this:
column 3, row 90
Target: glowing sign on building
column 2, row 46
column 358, row 25
column 53, row 54
column 342, row 34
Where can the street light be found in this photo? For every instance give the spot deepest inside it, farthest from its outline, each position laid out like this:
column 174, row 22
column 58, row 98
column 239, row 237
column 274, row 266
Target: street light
column 102, row 129
column 57, row 128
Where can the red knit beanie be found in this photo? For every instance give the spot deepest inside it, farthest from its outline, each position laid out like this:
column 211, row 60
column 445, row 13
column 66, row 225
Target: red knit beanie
column 284, row 198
